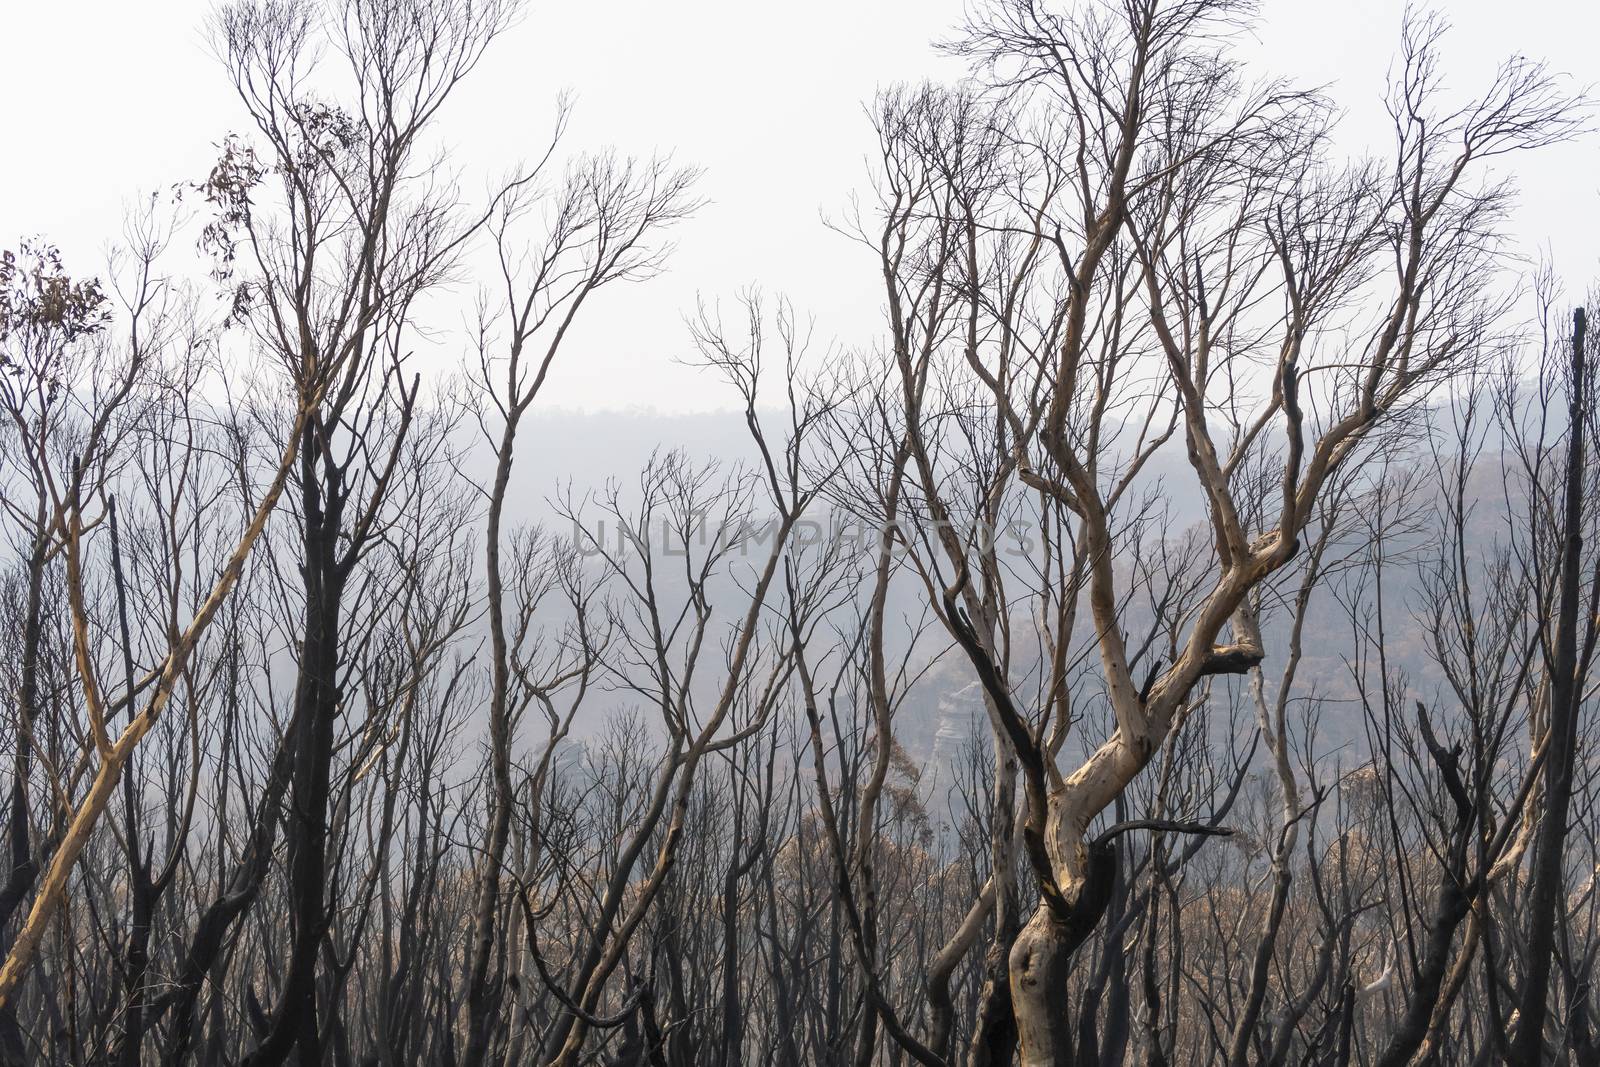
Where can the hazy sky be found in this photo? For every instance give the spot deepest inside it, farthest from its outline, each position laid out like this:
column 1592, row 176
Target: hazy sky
column 110, row 98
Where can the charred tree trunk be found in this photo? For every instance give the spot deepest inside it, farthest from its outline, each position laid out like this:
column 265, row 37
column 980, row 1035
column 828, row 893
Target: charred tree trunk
column 295, row 1024
column 24, row 867
column 1041, row 961
column 1547, row 874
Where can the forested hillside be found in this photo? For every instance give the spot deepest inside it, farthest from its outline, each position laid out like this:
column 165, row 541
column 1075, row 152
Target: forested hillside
column 1164, row 640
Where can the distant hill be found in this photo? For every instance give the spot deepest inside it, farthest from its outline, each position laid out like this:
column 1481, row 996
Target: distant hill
column 582, row 451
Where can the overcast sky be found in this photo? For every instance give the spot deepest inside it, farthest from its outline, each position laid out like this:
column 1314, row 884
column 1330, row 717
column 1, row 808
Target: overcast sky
column 106, row 99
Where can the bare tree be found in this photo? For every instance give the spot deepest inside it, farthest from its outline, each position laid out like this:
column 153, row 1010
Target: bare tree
column 1165, row 641
column 1177, row 204
column 598, row 231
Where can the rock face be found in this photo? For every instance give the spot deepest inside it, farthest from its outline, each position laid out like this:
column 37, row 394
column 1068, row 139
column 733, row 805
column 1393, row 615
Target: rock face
column 956, row 712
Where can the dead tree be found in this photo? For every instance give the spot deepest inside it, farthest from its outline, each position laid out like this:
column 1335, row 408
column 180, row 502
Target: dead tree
column 1142, row 177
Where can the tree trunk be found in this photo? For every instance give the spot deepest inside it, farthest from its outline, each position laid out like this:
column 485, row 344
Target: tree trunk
column 1527, row 1046
column 1041, row 960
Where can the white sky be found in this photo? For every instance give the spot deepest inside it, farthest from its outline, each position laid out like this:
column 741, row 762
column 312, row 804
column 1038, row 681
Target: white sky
column 111, row 98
